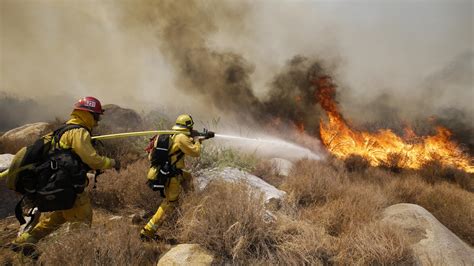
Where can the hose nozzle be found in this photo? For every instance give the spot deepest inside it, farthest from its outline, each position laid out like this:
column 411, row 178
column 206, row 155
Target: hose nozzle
column 206, row 134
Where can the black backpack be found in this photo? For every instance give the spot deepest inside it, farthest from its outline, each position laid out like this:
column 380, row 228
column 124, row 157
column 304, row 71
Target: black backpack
column 161, row 159
column 55, row 177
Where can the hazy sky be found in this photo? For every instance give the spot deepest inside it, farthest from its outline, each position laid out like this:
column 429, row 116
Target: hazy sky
column 73, row 48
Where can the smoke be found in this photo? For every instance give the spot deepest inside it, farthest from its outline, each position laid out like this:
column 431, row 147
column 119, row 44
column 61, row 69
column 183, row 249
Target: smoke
column 56, row 52
column 183, row 29
column 245, row 60
column 14, row 110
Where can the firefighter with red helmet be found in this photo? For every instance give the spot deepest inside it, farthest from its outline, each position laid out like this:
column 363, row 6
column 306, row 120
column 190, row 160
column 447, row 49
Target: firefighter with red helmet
column 86, row 114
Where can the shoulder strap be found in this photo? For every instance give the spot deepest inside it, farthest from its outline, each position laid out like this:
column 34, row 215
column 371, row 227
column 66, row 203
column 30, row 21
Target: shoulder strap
column 178, row 152
column 180, row 155
column 58, row 133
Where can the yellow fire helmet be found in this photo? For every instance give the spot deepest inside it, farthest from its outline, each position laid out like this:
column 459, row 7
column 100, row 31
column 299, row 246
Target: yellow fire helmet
column 184, row 121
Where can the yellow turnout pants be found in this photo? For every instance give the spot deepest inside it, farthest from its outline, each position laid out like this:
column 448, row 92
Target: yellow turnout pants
column 80, row 213
column 172, row 191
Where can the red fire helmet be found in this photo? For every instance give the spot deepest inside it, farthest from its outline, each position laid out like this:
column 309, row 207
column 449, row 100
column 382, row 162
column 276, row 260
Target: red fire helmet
column 89, row 104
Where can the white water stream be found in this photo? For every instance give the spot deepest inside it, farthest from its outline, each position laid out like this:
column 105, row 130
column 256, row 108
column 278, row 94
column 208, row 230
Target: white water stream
column 269, row 147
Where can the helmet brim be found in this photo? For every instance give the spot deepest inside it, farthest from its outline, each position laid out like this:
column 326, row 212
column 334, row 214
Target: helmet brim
column 89, row 110
column 179, row 127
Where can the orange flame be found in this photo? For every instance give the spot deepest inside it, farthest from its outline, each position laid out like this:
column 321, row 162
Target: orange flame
column 378, row 148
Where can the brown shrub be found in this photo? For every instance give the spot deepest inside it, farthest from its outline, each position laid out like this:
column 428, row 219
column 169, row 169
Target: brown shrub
column 314, row 182
column 299, row 242
column 376, row 175
column 347, row 207
column 374, row 244
column 356, row 163
column 453, row 207
column 395, row 162
column 405, row 189
column 125, row 150
column 268, row 171
column 433, row 171
column 230, row 220
column 125, row 189
column 227, row 219
column 109, row 244
column 357, row 205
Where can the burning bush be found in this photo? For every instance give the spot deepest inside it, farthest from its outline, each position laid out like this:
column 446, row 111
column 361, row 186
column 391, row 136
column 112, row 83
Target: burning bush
column 395, row 162
column 356, row 163
column 384, row 147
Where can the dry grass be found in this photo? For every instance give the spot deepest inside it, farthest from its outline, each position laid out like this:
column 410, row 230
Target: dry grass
column 433, row 172
column 451, row 205
column 216, row 156
column 348, row 211
column 356, row 163
column 330, row 216
column 314, row 182
column 268, row 172
column 374, row 244
column 125, row 189
column 395, row 162
column 109, row 244
column 230, row 220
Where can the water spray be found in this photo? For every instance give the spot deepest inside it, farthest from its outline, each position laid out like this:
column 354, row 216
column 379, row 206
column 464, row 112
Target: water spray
column 288, row 149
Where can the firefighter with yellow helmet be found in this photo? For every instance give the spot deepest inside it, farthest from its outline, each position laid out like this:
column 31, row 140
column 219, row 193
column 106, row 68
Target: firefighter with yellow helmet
column 180, row 144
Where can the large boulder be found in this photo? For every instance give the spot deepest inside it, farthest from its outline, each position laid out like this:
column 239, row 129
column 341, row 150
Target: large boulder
column 431, row 241
column 235, row 175
column 282, row 166
column 186, row 254
column 8, row 198
column 118, row 119
column 26, row 134
column 5, row 161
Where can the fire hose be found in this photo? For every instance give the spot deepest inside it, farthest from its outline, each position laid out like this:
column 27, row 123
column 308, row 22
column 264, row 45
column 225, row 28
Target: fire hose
column 205, row 134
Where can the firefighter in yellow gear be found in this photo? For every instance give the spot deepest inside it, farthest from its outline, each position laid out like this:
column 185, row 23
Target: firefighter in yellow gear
column 180, row 143
column 86, row 113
